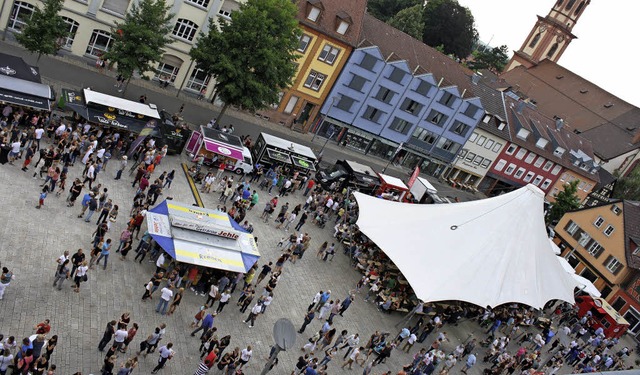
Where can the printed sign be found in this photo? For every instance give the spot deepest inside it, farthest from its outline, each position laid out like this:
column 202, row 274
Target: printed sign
column 158, row 224
column 203, row 227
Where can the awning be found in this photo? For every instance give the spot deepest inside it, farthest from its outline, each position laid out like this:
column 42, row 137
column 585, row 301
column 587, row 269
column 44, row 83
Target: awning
column 222, row 149
column 200, row 236
column 24, row 92
column 25, row 100
column 280, row 156
column 302, row 163
column 586, row 286
column 116, row 120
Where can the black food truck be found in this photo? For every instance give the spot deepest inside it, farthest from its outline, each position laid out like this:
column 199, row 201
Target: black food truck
column 270, row 150
column 347, row 173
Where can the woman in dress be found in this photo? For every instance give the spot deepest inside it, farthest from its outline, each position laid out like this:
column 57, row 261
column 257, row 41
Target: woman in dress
column 176, row 301
column 125, row 249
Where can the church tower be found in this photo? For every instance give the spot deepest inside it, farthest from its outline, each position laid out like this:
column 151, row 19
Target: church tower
column 551, row 35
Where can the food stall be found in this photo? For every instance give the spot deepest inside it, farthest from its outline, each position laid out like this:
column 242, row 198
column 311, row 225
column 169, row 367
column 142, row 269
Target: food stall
column 270, row 150
column 391, row 188
column 21, row 85
column 201, row 236
column 216, row 147
column 603, row 316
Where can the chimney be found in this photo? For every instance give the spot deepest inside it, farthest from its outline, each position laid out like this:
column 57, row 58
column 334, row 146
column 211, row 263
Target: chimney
column 475, row 78
column 559, row 123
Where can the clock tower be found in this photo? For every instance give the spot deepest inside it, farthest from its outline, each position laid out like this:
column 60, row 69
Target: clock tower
column 551, row 35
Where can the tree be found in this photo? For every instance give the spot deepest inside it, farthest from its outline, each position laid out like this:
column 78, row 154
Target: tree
column 44, row 30
column 494, row 59
column 252, row 57
column 410, row 21
column 139, row 41
column 628, row 187
column 448, row 23
column 566, row 200
column 384, row 10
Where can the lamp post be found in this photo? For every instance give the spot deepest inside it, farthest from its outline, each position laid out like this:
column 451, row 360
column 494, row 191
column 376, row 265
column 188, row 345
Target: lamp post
column 333, row 132
column 322, row 122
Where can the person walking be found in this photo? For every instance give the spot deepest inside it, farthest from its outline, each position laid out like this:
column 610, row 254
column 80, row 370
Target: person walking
column 62, row 274
column 121, row 167
column 163, row 303
column 80, row 276
column 207, row 324
column 471, row 361
column 255, row 311
column 177, row 298
column 166, row 353
column 107, row 335
column 308, row 318
column 245, row 356
column 104, row 253
column 5, row 280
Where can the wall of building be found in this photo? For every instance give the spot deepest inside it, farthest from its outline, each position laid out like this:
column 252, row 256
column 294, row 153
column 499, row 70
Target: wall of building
column 585, row 185
column 477, row 156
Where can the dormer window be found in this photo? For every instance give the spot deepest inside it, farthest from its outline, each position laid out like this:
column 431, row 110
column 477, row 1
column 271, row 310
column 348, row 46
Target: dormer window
column 343, row 26
column 559, row 151
column 542, row 143
column 486, row 118
column 314, row 13
column 502, row 125
column 523, row 133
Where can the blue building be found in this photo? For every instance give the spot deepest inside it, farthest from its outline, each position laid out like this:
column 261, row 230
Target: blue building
column 396, row 91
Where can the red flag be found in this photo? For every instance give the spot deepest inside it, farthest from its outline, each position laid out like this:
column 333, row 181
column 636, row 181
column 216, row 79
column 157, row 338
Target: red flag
column 414, row 177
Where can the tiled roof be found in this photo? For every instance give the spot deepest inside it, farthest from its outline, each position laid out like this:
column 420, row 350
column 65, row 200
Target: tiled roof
column 631, row 212
column 352, row 11
column 610, row 140
column 493, row 104
column 528, row 116
column 396, row 45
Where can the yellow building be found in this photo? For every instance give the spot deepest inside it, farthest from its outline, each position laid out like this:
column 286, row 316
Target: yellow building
column 330, row 31
column 585, row 185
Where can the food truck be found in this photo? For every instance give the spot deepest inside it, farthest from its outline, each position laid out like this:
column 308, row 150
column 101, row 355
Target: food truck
column 423, row 192
column 348, row 173
column 392, row 188
column 270, row 150
column 171, row 133
column 218, row 147
column 602, row 316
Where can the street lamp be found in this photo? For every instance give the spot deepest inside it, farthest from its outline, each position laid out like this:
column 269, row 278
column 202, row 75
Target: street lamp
column 333, row 132
column 322, row 122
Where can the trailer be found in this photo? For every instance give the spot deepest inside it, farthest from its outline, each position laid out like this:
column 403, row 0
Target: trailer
column 270, row 150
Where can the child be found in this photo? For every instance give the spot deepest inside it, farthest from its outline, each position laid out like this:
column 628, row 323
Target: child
column 43, row 195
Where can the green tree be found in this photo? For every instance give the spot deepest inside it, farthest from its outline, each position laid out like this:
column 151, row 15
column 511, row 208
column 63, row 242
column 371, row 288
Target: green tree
column 448, row 23
column 628, row 187
column 44, row 30
column 494, row 59
column 566, row 200
column 252, row 57
column 409, row 20
column 384, row 10
column 139, row 41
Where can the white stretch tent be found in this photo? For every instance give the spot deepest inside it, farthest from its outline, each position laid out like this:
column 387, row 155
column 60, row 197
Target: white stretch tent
column 487, row 252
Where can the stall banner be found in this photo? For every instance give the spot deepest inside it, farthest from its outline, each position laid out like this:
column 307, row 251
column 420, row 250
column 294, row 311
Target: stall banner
column 192, row 143
column 204, row 227
column 158, row 224
column 414, row 177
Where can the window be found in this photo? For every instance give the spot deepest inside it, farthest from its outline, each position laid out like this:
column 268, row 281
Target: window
column 460, row 129
column 224, row 13
column 397, row 75
column 537, row 180
column 477, row 160
column 448, row 145
column 523, row 133
column 511, row 149
column 552, row 50
column 619, row 303
column 486, row 163
column 343, row 26
column 594, row 248
column 329, row 54
column 345, row 103
column 579, row 8
column 521, row 153
column 314, row 13
column 559, row 151
column 401, row 126
column 497, row 147
column 563, row 177
column 545, row 184
column 368, row 62
column 411, row 106
column 357, row 82
column 481, row 140
column 489, row 143
column 185, row 29
column 314, row 80
column 168, row 69
column 616, row 210
column 99, row 43
column 609, row 230
column 426, row 136
column 510, row 169
column 613, row 265
column 198, row 80
column 500, row 164
column 570, row 4
column 202, row 3
column 599, row 221
column 72, row 25
column 556, row 170
column 541, row 143
column 447, row 99
column 555, row 192
column 473, row 136
column 530, row 158
column 584, row 239
column 470, row 157
column 462, row 154
column 385, row 95
column 372, row 114
column 547, row 166
column 291, row 104
column 571, row 227
column 519, row 172
column 535, row 40
column 20, row 14
column 471, row 110
column 437, row 118
column 423, row 88
column 539, row 162
column 529, row 176
column 116, row 6
column 304, row 42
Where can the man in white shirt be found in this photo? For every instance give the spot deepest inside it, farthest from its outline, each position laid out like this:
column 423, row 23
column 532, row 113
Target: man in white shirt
column 119, row 337
column 60, row 130
column 245, row 356
column 15, row 151
column 167, row 294
column 224, row 299
column 166, row 353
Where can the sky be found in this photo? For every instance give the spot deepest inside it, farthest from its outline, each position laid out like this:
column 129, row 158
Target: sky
column 605, row 52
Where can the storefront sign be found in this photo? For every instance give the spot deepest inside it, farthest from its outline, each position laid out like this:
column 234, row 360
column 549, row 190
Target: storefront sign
column 204, row 227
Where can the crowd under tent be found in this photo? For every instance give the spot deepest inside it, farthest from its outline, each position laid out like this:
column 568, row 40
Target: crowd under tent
column 201, row 236
column 487, row 252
